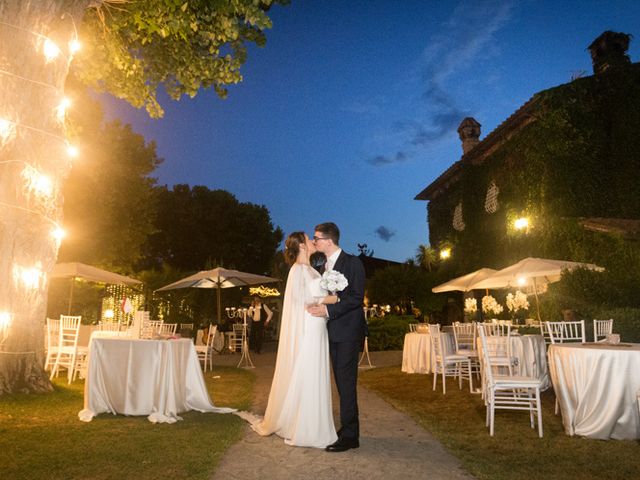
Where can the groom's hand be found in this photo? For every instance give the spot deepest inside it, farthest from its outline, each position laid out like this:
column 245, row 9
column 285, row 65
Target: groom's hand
column 318, row 310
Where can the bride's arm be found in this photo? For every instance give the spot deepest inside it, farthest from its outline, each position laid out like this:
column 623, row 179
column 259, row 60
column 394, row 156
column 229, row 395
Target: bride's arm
column 330, row 300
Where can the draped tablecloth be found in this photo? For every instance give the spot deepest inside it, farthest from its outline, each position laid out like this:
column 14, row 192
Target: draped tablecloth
column 597, row 386
column 158, row 378
column 416, row 353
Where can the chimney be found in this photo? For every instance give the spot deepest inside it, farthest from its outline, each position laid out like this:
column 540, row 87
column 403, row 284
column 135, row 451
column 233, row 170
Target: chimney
column 469, row 131
column 609, row 50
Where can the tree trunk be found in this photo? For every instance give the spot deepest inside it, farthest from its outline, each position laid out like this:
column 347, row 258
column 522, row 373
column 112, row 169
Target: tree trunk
column 33, row 164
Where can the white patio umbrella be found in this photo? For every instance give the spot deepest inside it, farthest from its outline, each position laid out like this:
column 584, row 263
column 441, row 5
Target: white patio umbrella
column 532, row 271
column 75, row 270
column 464, row 282
column 219, row 278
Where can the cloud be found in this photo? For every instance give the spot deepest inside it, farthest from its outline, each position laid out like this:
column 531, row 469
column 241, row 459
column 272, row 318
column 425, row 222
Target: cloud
column 384, row 233
column 466, row 38
column 386, row 159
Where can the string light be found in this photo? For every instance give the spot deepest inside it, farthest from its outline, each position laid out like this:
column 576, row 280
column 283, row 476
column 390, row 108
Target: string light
column 445, row 253
column 72, row 151
column 50, row 50
column 30, row 276
column 61, row 109
column 521, row 223
column 7, row 131
column 37, row 182
column 58, row 233
column 74, row 46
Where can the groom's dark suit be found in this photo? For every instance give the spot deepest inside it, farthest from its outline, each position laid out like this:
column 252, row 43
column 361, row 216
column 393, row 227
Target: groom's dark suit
column 347, row 329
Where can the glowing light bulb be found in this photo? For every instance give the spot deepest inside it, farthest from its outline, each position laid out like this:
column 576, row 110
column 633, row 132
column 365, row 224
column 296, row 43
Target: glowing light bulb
column 61, row 110
column 5, row 320
column 51, row 50
column 29, row 276
column 445, row 253
column 37, row 182
column 59, row 233
column 522, row 281
column 108, row 313
column 6, row 130
column 73, row 151
column 74, row 46
column 521, row 223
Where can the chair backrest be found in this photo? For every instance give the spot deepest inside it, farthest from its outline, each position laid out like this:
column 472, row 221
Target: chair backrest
column 109, row 326
column 69, row 329
column 211, row 335
column 186, row 326
column 150, row 328
column 565, row 332
column 238, row 329
column 53, row 332
column 412, row 327
column 200, row 337
column 436, row 340
column 486, row 359
column 497, row 329
column 167, row 328
column 602, row 328
column 465, row 336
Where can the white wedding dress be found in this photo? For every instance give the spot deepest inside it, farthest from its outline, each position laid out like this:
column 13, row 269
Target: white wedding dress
column 299, row 408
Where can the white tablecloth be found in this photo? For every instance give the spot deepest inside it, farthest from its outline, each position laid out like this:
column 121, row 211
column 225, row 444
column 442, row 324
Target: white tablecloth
column 596, row 386
column 158, row 378
column 416, row 353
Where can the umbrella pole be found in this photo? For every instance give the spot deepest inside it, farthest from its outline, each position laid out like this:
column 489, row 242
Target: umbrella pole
column 73, row 280
column 535, row 291
column 219, row 306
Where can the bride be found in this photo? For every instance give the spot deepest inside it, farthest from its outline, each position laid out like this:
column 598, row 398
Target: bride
column 299, row 408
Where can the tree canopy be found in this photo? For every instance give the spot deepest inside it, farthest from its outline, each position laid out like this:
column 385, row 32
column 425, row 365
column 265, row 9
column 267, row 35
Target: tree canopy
column 198, row 227
column 130, row 49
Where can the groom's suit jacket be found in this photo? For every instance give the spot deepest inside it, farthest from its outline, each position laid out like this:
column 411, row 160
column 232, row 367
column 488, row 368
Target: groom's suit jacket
column 346, row 318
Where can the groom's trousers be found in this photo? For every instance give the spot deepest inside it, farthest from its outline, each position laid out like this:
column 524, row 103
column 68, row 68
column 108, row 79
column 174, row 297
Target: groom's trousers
column 344, row 360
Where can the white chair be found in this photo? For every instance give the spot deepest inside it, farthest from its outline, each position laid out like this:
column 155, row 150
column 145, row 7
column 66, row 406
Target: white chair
column 412, row 327
column 465, row 341
column 447, row 365
column 602, row 328
column 564, row 332
column 167, row 328
column 68, row 350
column 205, row 352
column 150, row 328
column 52, row 338
column 237, row 337
column 109, row 326
column 509, row 392
column 186, row 326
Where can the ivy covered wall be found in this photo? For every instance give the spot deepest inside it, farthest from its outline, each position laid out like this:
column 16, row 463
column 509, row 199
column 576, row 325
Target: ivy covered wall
column 579, row 157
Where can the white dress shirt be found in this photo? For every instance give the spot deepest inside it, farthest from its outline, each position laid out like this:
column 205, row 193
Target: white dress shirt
column 331, row 260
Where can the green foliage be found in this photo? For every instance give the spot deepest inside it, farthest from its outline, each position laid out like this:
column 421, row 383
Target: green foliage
column 130, row 49
column 387, row 333
column 200, row 228
column 402, row 284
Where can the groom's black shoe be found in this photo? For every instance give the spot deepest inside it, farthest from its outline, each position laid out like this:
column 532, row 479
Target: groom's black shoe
column 343, row 444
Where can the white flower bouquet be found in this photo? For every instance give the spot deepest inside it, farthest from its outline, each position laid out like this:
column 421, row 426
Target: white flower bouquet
column 491, row 306
column 470, row 305
column 333, row 281
column 517, row 302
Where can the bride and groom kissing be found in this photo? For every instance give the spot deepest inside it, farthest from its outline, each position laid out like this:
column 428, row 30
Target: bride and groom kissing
column 318, row 328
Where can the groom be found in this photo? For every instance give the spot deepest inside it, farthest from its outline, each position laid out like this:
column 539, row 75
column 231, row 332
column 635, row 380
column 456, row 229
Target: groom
column 347, row 327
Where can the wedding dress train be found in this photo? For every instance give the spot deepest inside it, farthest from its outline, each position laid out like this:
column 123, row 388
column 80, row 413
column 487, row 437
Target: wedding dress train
column 299, row 408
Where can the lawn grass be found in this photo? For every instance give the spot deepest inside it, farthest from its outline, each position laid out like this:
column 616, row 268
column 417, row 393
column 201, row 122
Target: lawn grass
column 42, row 438
column 457, row 419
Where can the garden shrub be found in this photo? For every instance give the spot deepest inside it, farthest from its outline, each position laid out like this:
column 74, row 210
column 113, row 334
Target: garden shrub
column 387, row 333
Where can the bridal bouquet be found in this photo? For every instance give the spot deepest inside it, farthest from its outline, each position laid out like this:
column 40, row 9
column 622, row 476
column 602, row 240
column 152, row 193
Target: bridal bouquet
column 333, row 281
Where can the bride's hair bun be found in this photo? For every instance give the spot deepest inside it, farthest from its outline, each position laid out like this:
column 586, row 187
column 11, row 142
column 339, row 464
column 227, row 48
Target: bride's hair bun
column 292, row 246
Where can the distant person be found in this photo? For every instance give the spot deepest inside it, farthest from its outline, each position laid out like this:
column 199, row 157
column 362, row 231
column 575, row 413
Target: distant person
column 260, row 316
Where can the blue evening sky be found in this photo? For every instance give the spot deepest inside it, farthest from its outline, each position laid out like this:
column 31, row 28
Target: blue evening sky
column 351, row 109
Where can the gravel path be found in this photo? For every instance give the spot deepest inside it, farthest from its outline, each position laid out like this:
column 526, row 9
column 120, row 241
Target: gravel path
column 392, row 445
